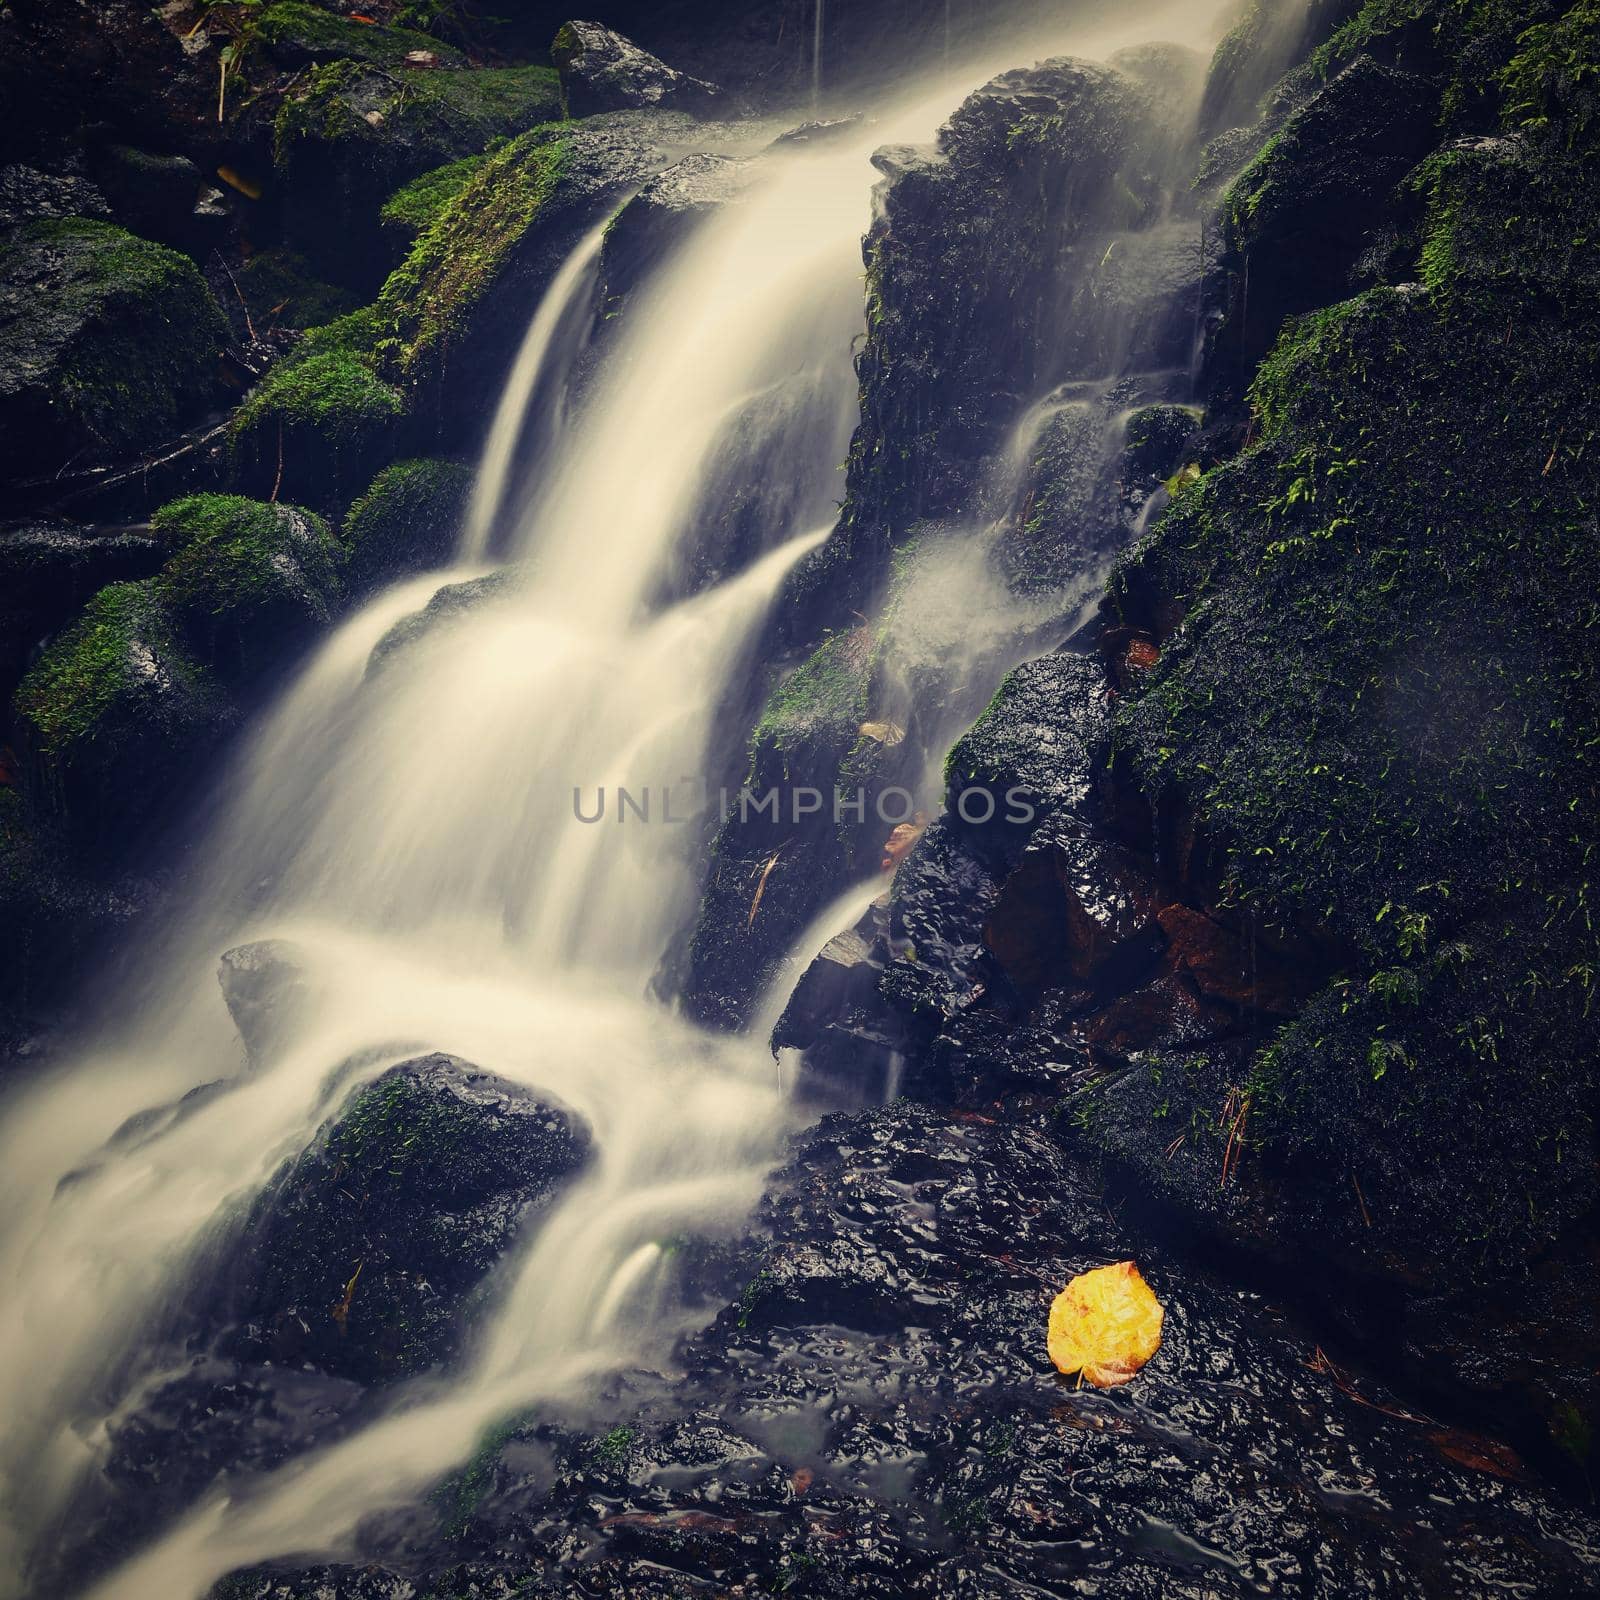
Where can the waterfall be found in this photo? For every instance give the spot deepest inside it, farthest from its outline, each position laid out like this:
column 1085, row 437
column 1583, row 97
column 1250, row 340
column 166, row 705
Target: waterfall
column 557, row 311
column 412, row 832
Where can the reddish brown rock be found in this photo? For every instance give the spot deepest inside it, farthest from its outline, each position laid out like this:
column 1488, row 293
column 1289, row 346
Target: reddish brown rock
column 1224, row 966
column 1075, row 911
column 1167, row 1014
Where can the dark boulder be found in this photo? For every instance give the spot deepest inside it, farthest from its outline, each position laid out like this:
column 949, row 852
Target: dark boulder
column 874, row 1412
column 663, row 214
column 266, row 988
column 362, row 1257
column 602, row 71
column 113, row 716
column 107, row 343
column 49, row 569
column 1301, row 213
column 247, row 580
column 151, row 195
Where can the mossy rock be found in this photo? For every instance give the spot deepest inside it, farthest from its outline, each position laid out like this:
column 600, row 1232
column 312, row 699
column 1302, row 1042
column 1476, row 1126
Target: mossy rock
column 317, row 427
column 247, row 580
column 1041, row 745
column 365, row 1255
column 350, row 134
column 115, row 711
column 407, row 521
column 449, row 319
column 283, row 292
column 297, row 32
column 1382, row 705
column 107, row 343
column 457, row 259
column 414, row 206
column 1298, row 217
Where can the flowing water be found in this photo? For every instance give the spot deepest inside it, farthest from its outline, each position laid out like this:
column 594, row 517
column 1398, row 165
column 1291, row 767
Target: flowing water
column 411, row 831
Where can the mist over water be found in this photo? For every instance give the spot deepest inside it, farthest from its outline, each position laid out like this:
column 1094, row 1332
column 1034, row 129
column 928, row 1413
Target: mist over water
column 410, row 831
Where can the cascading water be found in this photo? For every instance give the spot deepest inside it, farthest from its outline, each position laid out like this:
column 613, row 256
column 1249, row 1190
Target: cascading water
column 410, row 830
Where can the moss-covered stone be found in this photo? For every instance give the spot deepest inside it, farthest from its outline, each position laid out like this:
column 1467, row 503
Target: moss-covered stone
column 107, row 342
column 297, row 32
column 412, row 207
column 283, row 292
column 350, row 134
column 247, row 580
column 114, row 711
column 458, row 258
column 318, row 425
column 1383, row 704
column 407, row 521
column 1299, row 215
column 362, row 1256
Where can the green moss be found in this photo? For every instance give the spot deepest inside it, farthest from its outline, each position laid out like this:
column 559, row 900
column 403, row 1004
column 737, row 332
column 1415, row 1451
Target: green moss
column 414, row 205
column 407, row 521
column 824, row 701
column 124, row 641
column 115, row 336
column 459, row 256
column 310, row 30
column 442, row 115
column 1384, row 708
column 245, row 565
column 460, row 1495
column 283, row 292
column 332, row 393
column 1554, row 78
column 318, row 425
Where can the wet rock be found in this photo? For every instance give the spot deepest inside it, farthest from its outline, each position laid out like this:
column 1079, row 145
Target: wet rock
column 266, row 988
column 453, row 602
column 1251, row 973
column 811, row 133
column 28, row 195
column 942, row 375
column 114, row 714
column 362, row 1257
column 407, row 521
column 602, row 71
column 1037, row 751
column 843, row 977
column 107, row 343
column 1301, row 212
column 1075, row 912
column 48, row 570
column 247, row 580
column 664, row 213
column 875, row 1412
column 1168, row 1013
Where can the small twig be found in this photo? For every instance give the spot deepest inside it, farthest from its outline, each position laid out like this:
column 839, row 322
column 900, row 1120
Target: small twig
column 244, row 305
column 1361, row 1199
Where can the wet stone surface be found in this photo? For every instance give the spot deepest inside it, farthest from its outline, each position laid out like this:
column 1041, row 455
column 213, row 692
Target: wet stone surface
column 874, row 1412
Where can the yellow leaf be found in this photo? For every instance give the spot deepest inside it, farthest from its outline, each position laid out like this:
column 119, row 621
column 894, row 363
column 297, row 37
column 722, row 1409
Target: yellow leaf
column 235, row 180
column 1105, row 1324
